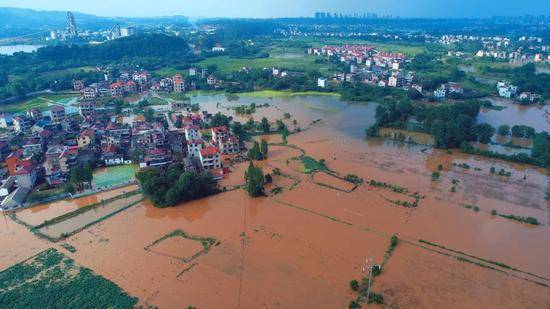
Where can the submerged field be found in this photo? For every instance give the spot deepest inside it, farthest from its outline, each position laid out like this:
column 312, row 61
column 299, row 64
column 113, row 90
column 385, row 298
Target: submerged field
column 300, row 246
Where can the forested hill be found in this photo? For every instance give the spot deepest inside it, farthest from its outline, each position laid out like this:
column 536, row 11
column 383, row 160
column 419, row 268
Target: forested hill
column 18, row 18
column 148, row 48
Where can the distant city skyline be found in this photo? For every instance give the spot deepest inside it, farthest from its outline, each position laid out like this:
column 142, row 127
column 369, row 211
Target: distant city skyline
column 290, row 8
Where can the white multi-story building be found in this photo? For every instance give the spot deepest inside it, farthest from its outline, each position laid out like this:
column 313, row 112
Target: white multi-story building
column 57, row 114
column 22, row 123
column 506, row 90
column 192, row 133
column 210, row 158
column 194, row 147
column 322, row 82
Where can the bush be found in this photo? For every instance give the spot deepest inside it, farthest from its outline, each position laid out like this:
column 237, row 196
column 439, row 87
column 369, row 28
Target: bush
column 376, row 298
column 354, row 305
column 394, row 240
column 354, row 285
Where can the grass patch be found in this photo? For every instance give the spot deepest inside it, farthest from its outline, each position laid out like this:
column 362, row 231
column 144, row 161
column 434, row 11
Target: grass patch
column 286, row 93
column 52, row 280
column 69, row 248
column 522, row 219
column 305, row 62
column 206, row 242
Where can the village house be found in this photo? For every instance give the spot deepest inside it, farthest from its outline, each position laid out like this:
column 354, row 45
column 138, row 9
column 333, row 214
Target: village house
column 86, row 138
column 16, row 160
column 35, row 114
column 440, row 93
column 322, row 82
column 506, row 90
column 211, row 80
column 156, row 158
column 218, row 48
column 57, row 114
column 130, row 87
column 78, row 85
column 192, row 132
column 22, row 123
column 219, row 133
column 210, row 158
column 194, row 147
column 89, row 93
column 229, row 145
column 179, row 83
column 34, row 145
column 117, row 89
column 86, row 109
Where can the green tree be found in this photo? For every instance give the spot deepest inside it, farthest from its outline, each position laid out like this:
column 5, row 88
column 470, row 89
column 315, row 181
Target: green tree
column 264, row 125
column 87, row 173
column 149, row 115
column 255, row 153
column 372, row 131
column 504, row 130
column 263, row 148
column 484, row 132
column 254, row 181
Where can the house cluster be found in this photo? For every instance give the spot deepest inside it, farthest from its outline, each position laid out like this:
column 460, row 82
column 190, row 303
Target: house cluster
column 368, row 65
column 447, row 89
column 129, row 83
column 506, row 90
column 47, row 146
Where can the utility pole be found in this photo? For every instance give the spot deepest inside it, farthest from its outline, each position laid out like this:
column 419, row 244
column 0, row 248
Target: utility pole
column 369, row 264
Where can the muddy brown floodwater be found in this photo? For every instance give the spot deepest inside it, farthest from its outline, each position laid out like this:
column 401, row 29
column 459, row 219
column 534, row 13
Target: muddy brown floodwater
column 301, row 247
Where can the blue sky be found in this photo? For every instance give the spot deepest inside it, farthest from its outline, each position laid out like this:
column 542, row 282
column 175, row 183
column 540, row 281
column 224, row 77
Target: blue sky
column 277, row 8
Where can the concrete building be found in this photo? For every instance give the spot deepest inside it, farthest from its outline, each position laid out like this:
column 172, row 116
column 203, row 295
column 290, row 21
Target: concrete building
column 210, row 158
column 22, row 123
column 57, row 114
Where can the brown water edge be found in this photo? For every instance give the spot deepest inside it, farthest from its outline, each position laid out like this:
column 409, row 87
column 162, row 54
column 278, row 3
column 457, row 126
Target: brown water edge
column 37, row 214
column 321, row 178
column 70, row 225
column 17, row 243
column 441, row 213
column 303, row 246
column 417, row 278
column 285, row 250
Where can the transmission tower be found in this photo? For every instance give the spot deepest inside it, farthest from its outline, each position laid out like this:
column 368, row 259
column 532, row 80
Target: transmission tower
column 71, row 26
column 369, row 265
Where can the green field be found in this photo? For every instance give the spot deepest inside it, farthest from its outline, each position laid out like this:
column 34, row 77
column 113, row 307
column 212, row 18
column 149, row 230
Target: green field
column 407, row 49
column 299, row 62
column 285, row 93
column 52, row 280
column 42, row 103
column 114, row 175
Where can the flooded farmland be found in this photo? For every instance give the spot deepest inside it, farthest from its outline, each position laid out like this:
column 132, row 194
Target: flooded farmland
column 301, row 247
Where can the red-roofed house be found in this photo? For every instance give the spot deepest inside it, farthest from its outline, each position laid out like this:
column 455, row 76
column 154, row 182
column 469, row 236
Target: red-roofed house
column 229, row 145
column 219, row 133
column 130, row 87
column 117, row 89
column 210, row 158
column 179, row 83
column 16, row 160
